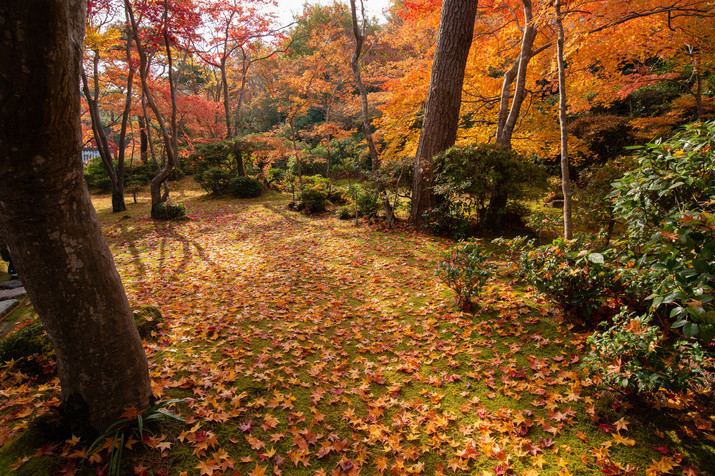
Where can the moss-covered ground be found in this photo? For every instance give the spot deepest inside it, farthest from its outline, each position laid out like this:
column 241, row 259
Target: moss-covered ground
column 307, row 345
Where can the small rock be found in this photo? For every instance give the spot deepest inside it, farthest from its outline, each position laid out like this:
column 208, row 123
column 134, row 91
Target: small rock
column 12, row 284
column 12, row 293
column 6, row 306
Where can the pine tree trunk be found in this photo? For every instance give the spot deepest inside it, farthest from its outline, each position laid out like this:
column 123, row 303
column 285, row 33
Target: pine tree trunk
column 48, row 218
column 439, row 129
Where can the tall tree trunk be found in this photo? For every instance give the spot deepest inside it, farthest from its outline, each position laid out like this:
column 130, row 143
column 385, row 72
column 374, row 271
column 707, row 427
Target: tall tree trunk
column 359, row 33
column 163, row 175
column 439, row 129
column 565, row 180
column 143, row 140
column 226, row 103
column 48, row 218
column 507, row 122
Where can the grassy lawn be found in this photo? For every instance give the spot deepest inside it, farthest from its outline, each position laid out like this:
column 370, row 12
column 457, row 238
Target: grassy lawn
column 306, row 345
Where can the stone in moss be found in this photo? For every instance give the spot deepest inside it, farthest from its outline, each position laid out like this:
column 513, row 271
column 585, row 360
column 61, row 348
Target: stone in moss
column 26, row 342
column 148, row 320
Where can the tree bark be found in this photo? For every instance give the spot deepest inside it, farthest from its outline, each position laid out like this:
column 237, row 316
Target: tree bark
column 565, row 180
column 439, row 129
column 355, row 64
column 171, row 160
column 507, row 122
column 49, row 220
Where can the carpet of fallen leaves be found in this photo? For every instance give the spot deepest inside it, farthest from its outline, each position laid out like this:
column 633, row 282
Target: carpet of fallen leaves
column 306, row 345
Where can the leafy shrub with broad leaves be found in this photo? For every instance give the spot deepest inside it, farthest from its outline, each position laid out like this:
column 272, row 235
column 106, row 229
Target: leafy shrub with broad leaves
column 632, row 356
column 465, row 269
column 669, row 178
column 573, row 276
column 594, row 206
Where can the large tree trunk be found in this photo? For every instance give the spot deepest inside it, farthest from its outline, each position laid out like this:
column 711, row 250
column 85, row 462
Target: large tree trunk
column 565, row 180
column 439, row 129
column 48, row 218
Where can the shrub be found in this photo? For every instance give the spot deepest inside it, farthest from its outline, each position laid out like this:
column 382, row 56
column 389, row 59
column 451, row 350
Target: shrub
column 313, row 196
column 595, row 208
column 148, row 319
column 245, row 187
column 633, row 356
column 464, row 268
column 228, row 154
column 449, row 218
column 96, row 176
column 482, row 179
column 345, row 212
column 669, row 178
column 168, row 211
column 571, row 275
column 215, row 180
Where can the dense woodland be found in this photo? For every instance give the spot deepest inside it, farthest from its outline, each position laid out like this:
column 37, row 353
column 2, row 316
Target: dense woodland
column 468, row 238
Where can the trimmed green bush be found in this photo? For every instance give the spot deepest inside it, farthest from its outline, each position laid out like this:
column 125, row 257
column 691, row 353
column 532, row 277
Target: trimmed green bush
column 26, row 342
column 245, row 187
column 169, row 211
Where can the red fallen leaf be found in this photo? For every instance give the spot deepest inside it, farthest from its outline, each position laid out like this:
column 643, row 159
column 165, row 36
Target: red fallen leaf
column 246, row 426
column 546, row 442
column 346, row 465
column 605, row 427
column 662, row 449
column 500, row 469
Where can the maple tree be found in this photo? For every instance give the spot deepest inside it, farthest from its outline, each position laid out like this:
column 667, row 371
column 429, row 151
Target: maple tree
column 234, row 25
column 96, row 40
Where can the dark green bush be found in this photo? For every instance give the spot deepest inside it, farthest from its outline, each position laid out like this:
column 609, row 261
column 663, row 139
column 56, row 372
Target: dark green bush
column 465, row 269
column 169, row 211
column 96, row 176
column 480, row 180
column 573, row 276
column 594, row 206
column 669, row 178
column 231, row 155
column 313, row 196
column 245, row 187
column 215, row 180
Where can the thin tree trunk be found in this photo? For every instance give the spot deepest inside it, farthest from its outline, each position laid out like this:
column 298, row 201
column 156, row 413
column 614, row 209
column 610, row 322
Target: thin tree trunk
column 143, row 138
column 439, row 128
column 565, row 181
column 163, row 175
column 226, row 104
column 355, row 64
column 506, row 129
column 49, row 221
